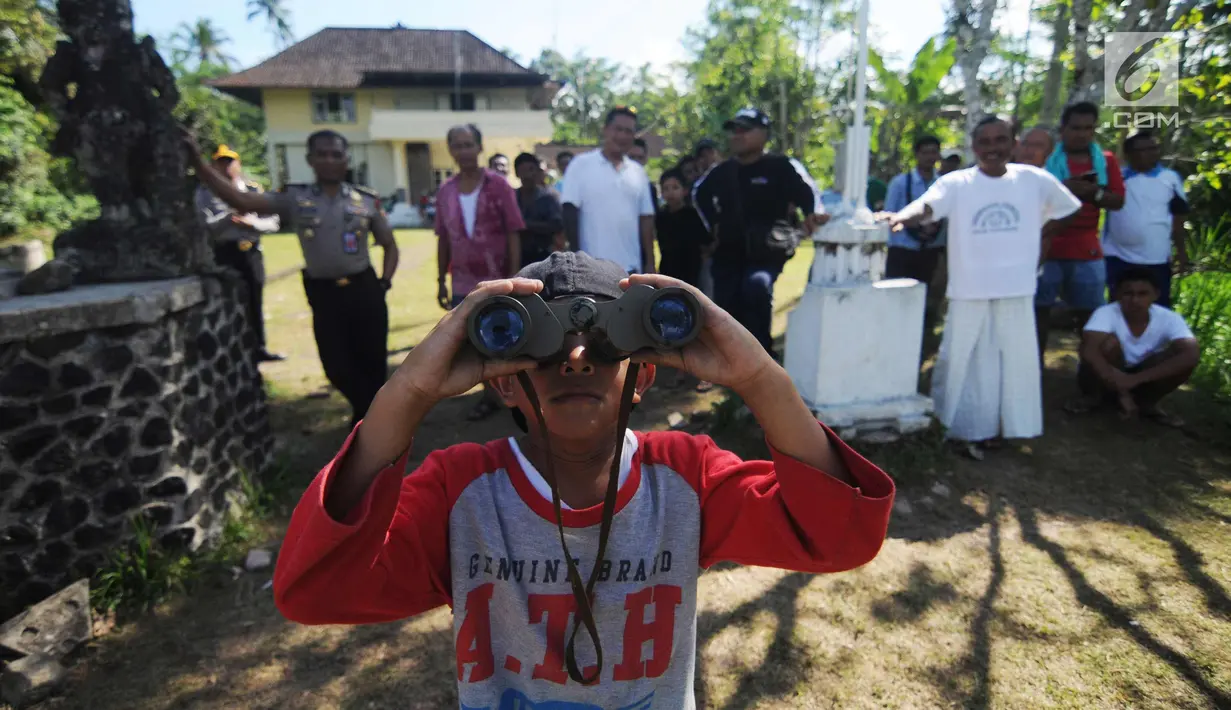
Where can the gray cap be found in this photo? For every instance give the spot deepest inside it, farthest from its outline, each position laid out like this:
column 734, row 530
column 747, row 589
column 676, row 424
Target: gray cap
column 576, row 273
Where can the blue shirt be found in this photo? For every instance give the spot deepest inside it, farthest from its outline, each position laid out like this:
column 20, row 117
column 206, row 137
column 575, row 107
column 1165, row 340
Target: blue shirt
column 897, row 200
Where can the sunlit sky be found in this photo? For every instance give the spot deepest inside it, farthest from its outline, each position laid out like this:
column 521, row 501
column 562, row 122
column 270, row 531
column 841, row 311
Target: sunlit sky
column 631, row 32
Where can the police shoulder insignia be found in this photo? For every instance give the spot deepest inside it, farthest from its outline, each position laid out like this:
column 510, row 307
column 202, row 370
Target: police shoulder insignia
column 367, row 191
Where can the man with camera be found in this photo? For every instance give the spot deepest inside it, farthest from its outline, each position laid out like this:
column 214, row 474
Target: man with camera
column 751, row 203
column 915, row 252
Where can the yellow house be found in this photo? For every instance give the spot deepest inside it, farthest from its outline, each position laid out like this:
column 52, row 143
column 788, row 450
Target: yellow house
column 394, row 93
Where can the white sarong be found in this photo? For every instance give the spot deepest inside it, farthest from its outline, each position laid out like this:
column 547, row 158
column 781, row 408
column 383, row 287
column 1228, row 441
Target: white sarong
column 987, row 380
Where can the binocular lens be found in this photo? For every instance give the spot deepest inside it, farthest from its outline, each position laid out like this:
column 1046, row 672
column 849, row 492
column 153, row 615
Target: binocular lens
column 672, row 318
column 500, row 329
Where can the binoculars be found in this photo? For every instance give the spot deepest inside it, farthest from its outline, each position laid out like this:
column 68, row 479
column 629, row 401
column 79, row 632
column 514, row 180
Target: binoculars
column 507, row 327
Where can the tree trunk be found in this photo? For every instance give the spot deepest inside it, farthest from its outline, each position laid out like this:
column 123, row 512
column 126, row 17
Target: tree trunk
column 974, row 38
column 1085, row 80
column 1055, row 68
column 1019, row 71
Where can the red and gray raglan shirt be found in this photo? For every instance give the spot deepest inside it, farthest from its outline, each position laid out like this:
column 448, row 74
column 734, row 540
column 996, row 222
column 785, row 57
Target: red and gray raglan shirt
column 469, row 528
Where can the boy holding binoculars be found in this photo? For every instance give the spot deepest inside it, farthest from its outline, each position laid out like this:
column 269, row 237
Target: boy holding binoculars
column 570, row 556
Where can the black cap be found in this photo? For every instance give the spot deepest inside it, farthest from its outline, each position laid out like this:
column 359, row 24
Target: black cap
column 748, row 118
column 576, row 273
column 703, row 145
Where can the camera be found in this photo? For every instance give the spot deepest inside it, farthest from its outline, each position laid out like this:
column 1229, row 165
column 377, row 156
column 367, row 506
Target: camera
column 507, row 327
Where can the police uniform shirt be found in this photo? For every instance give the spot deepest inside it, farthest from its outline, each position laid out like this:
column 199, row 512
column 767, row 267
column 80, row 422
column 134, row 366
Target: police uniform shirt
column 333, row 231
column 217, row 215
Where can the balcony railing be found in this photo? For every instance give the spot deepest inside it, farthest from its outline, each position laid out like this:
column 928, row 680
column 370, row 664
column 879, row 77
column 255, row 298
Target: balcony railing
column 432, row 125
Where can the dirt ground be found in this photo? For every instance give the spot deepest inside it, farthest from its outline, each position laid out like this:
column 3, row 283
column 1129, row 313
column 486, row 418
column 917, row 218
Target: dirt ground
column 1090, row 569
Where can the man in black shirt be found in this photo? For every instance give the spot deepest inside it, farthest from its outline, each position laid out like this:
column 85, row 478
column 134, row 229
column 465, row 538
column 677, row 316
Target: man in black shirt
column 739, row 200
column 540, row 210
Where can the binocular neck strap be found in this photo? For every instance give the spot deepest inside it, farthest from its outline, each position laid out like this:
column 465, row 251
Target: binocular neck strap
column 584, row 596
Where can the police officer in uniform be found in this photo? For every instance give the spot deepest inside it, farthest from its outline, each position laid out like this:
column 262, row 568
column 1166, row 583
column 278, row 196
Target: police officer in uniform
column 333, row 220
column 237, row 240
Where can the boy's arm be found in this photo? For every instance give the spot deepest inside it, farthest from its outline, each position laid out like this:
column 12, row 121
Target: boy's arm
column 1092, row 347
column 385, row 558
column 816, row 507
column 1187, row 357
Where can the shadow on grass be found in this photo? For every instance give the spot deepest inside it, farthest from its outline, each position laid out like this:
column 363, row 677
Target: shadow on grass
column 1191, row 561
column 922, row 592
column 786, row 662
column 1114, row 614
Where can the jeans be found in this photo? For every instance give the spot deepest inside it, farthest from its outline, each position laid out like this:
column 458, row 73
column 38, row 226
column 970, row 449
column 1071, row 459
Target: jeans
column 746, row 291
column 1080, row 283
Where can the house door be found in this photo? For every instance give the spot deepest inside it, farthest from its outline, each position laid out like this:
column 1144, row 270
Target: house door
column 419, row 171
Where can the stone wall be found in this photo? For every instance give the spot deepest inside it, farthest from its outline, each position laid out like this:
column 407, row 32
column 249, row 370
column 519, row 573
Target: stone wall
column 120, row 400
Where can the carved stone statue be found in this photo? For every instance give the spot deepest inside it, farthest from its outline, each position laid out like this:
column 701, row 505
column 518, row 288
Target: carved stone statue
column 114, row 98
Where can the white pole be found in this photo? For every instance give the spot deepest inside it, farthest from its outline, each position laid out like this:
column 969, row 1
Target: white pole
column 861, row 134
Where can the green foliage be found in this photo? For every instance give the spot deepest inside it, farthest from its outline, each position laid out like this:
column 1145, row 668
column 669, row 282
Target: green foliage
column 203, row 42
column 31, row 203
column 277, row 16
column 217, row 118
column 141, row 574
column 27, row 37
column 1203, row 297
column 910, row 105
column 588, row 92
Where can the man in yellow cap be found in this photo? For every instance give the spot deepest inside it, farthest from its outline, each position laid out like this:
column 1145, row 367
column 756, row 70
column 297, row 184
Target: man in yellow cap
column 237, row 239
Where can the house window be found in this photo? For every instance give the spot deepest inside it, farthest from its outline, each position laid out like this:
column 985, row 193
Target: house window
column 439, row 177
column 333, row 107
column 460, row 102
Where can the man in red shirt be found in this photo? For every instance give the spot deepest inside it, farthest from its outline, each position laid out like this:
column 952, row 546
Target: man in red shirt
column 1074, row 268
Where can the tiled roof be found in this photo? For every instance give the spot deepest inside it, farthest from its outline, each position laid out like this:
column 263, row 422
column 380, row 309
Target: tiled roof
column 341, row 58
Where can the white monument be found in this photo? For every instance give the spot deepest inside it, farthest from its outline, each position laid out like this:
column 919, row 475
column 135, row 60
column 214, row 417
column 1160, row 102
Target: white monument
column 853, row 343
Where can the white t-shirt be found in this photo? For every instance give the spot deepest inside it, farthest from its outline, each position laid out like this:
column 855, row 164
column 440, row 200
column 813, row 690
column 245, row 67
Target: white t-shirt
column 1165, row 327
column 470, row 206
column 996, row 227
column 612, row 201
column 1140, row 231
column 544, row 488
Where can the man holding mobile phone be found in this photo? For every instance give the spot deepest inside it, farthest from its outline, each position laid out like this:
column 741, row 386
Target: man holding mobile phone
column 1073, row 268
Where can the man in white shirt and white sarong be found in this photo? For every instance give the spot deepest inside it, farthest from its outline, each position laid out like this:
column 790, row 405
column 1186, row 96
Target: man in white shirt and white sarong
column 987, row 380
column 1134, row 352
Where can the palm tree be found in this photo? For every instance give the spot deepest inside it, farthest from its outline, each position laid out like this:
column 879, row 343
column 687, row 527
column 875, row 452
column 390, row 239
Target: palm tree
column 279, row 19
column 204, row 41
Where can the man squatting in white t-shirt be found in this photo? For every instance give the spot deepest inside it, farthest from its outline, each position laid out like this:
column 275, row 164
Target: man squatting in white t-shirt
column 987, row 380
column 1134, row 352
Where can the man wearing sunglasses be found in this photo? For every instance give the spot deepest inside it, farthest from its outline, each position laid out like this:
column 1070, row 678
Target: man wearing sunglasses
column 608, row 209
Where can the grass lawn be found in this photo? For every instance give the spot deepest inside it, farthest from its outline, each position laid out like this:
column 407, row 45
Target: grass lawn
column 1090, row 569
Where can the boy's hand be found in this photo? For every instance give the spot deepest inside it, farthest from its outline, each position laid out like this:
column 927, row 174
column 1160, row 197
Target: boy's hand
column 445, row 364
column 724, row 352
